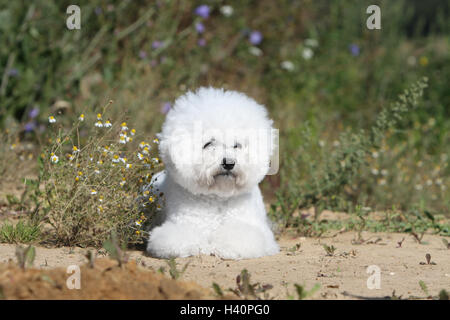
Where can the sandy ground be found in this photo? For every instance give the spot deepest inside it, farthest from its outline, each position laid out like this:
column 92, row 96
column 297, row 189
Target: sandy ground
column 341, row 276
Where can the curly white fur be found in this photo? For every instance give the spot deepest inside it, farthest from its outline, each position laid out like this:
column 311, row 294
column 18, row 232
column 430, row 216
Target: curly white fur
column 213, row 204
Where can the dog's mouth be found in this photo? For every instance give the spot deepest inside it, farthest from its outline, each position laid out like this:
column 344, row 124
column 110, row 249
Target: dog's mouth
column 227, row 174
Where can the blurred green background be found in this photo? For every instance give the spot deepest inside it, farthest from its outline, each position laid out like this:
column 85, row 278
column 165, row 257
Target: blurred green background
column 314, row 64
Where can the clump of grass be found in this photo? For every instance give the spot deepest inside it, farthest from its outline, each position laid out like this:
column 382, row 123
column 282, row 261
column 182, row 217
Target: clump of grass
column 330, row 250
column 92, row 175
column 21, row 232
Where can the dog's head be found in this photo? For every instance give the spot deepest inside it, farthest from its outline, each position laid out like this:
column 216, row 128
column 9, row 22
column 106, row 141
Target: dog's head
column 216, row 142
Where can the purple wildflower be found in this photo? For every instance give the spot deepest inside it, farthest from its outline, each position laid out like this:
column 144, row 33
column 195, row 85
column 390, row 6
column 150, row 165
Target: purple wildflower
column 157, row 44
column 13, row 72
column 354, row 49
column 200, row 27
column 201, row 42
column 98, row 11
column 33, row 113
column 202, row 11
column 30, row 126
column 255, row 37
column 142, row 54
column 166, row 107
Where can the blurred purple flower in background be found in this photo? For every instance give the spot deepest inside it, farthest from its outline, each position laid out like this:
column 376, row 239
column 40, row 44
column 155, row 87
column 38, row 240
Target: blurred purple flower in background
column 354, row 49
column 166, row 107
column 200, row 27
column 33, row 113
column 201, row 42
column 202, row 11
column 30, row 126
column 157, row 44
column 13, row 72
column 142, row 54
column 98, row 11
column 255, row 37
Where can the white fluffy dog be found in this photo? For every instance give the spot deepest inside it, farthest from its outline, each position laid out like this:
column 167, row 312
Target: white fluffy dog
column 213, row 204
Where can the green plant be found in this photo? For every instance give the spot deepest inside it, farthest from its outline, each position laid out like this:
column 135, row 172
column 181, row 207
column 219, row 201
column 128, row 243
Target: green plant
column 115, row 250
column 173, row 270
column 330, row 179
column 329, row 249
column 247, row 290
column 95, row 179
column 302, row 293
column 25, row 256
column 21, row 232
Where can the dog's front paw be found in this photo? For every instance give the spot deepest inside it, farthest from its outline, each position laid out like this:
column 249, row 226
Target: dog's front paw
column 238, row 240
column 173, row 240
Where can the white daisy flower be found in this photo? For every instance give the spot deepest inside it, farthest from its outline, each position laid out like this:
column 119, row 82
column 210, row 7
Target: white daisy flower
column 115, row 158
column 143, row 144
column 81, row 117
column 307, row 53
column 99, row 124
column 124, row 126
column 287, row 65
column 255, row 51
column 54, row 158
column 93, row 192
column 51, row 119
column 311, row 43
column 227, row 10
column 140, row 156
column 107, row 124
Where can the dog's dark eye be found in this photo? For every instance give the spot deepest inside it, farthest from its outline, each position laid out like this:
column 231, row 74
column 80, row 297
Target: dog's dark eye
column 237, row 145
column 207, row 144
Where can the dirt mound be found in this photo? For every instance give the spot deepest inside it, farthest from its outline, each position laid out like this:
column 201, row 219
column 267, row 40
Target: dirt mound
column 106, row 280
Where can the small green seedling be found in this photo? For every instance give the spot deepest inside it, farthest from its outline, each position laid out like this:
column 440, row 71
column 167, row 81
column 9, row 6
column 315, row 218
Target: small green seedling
column 114, row 250
column 291, row 251
column 329, row 249
column 424, row 288
column 446, row 243
column 173, row 270
column 217, row 289
column 25, row 256
column 302, row 293
column 247, row 290
column 443, row 295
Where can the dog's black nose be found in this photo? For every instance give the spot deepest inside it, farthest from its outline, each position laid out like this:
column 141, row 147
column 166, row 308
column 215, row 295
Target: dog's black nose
column 228, row 164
